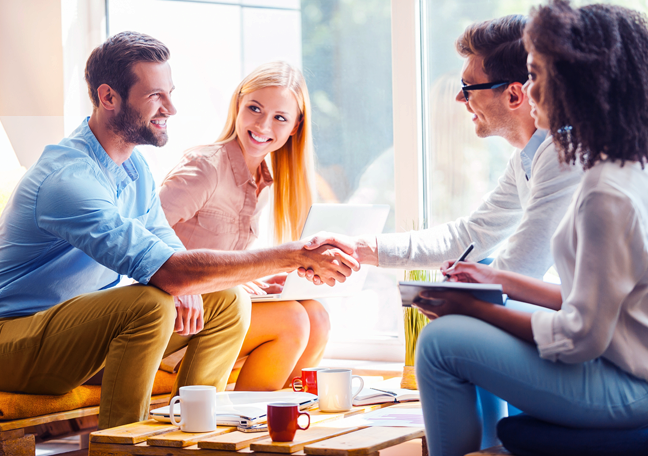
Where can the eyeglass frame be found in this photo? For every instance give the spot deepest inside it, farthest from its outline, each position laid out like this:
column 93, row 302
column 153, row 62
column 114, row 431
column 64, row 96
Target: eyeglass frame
column 488, row 85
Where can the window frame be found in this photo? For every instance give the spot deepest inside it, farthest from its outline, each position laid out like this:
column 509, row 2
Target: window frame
column 409, row 162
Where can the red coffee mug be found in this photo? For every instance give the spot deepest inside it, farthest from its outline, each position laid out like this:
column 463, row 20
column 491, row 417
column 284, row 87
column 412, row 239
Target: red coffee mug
column 307, row 381
column 282, row 421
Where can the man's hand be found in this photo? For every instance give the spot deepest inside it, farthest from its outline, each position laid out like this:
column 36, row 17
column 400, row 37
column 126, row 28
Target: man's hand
column 362, row 248
column 328, row 264
column 189, row 314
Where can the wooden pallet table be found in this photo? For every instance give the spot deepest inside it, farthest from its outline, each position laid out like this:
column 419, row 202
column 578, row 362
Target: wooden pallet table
column 328, row 435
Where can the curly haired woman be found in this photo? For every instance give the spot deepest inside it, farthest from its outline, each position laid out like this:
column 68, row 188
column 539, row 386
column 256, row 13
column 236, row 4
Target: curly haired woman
column 583, row 365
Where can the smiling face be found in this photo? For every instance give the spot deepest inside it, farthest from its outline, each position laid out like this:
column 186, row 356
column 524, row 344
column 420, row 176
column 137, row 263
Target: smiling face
column 266, row 119
column 536, row 88
column 488, row 107
column 142, row 117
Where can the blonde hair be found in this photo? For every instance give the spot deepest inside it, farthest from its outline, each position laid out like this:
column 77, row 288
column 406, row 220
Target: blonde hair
column 292, row 164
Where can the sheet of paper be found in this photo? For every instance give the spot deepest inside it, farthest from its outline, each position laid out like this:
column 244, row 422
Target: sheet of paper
column 388, row 416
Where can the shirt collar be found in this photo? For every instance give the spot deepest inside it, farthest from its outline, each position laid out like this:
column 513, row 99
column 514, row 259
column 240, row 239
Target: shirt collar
column 240, row 170
column 120, row 176
column 529, row 151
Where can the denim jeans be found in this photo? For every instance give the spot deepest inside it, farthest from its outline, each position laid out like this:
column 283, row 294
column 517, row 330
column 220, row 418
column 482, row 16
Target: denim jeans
column 457, row 353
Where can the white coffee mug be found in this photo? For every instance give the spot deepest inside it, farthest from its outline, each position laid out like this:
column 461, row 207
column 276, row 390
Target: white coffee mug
column 197, row 408
column 334, row 387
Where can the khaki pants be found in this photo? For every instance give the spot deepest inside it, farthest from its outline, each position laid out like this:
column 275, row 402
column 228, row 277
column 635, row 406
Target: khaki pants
column 128, row 330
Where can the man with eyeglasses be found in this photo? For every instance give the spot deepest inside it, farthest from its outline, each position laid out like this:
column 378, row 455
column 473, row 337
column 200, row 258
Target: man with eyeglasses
column 521, row 214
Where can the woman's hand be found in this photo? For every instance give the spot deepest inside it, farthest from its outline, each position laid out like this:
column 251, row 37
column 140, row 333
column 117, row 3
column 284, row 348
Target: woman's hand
column 435, row 304
column 279, row 279
column 468, row 271
column 255, row 287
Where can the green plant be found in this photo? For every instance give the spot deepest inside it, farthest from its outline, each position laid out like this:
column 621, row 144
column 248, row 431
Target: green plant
column 415, row 321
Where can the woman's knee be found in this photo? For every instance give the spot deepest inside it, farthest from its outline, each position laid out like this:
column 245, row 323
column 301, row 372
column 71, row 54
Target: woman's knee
column 320, row 322
column 295, row 324
column 441, row 338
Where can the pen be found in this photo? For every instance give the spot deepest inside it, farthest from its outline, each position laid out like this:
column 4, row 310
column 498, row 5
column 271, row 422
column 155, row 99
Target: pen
column 461, row 258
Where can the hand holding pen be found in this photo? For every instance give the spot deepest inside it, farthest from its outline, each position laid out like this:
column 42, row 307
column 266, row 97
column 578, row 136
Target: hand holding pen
column 461, row 258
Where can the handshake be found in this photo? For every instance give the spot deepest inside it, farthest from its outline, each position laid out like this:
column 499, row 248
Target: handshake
column 327, row 258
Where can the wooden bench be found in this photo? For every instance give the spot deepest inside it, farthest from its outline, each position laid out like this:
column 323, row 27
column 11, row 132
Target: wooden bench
column 322, row 438
column 24, row 416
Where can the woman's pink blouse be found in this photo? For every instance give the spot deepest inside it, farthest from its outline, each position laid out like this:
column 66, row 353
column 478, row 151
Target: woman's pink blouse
column 210, row 198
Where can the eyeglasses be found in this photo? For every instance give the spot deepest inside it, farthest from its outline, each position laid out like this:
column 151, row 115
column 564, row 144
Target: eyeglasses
column 489, row 85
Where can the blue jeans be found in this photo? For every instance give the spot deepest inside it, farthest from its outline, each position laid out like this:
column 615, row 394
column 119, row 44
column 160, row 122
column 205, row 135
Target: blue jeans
column 456, row 353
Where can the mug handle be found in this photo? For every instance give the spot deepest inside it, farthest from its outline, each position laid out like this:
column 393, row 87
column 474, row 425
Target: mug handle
column 301, row 384
column 299, row 425
column 361, row 385
column 174, row 401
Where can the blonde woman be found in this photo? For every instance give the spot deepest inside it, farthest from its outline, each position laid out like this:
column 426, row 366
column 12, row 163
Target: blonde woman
column 213, row 199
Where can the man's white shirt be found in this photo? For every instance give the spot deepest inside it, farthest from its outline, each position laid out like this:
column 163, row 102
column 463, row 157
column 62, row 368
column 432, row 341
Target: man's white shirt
column 523, row 212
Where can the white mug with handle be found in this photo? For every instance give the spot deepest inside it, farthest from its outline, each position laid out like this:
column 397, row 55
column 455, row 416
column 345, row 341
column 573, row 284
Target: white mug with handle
column 197, row 408
column 335, row 391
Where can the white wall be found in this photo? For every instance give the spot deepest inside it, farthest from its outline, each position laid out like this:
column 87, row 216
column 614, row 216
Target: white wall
column 42, row 86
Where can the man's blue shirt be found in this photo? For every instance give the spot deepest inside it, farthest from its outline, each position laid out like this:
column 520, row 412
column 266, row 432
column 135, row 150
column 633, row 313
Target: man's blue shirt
column 76, row 222
column 530, row 150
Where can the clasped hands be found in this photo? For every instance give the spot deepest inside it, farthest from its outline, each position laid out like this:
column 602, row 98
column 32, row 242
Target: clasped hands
column 327, row 264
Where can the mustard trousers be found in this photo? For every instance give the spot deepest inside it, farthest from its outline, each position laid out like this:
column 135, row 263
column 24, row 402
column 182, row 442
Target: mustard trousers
column 128, row 330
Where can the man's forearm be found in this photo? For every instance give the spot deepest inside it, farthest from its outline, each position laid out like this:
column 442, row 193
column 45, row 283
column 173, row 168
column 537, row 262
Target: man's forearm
column 204, row 271
column 367, row 250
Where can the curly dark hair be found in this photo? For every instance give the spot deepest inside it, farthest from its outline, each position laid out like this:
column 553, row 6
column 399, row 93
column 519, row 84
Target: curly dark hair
column 499, row 42
column 597, row 87
column 112, row 62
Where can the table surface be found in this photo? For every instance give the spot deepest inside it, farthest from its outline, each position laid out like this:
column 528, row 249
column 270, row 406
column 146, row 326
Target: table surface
column 329, row 434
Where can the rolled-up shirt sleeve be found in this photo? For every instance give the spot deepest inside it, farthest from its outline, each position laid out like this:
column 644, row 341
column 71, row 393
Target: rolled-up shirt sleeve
column 606, row 267
column 87, row 218
column 157, row 224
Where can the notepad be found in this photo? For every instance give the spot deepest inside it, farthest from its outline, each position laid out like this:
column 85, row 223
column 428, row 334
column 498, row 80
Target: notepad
column 385, row 392
column 483, row 291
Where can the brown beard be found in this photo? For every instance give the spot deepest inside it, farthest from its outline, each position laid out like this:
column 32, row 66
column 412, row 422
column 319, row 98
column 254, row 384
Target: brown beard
column 133, row 129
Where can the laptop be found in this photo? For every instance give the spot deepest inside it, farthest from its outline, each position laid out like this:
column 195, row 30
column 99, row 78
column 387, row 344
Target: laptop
column 347, row 219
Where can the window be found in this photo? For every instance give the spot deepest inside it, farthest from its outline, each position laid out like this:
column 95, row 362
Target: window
column 344, row 50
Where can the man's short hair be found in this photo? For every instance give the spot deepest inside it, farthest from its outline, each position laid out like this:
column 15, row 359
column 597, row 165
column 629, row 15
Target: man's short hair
column 112, row 62
column 499, row 42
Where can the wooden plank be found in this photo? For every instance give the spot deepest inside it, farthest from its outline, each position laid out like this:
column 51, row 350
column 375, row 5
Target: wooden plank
column 130, row 434
column 156, row 401
column 180, row 439
column 52, row 417
column 238, row 440
column 364, row 441
column 142, row 449
column 302, row 438
column 492, row 451
column 11, row 435
column 232, row 441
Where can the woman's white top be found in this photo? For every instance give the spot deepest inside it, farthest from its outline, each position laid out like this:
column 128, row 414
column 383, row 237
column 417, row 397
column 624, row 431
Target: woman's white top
column 601, row 253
